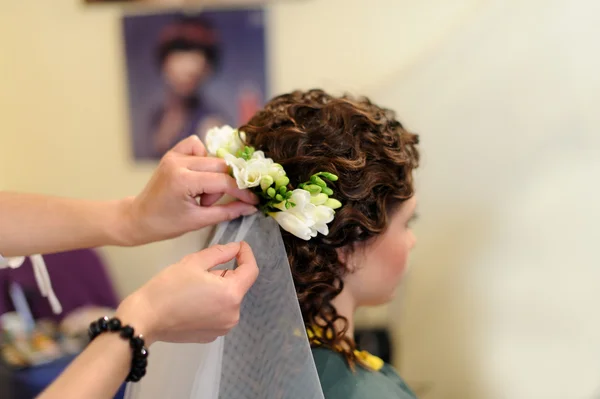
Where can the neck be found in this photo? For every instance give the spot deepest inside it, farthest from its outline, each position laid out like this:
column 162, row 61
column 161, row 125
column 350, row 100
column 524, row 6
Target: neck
column 346, row 306
column 174, row 100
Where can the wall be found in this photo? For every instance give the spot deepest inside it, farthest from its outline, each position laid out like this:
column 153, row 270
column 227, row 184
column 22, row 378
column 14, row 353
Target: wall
column 64, row 120
column 501, row 301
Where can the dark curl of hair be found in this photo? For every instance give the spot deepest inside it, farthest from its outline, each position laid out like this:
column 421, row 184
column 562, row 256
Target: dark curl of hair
column 310, row 132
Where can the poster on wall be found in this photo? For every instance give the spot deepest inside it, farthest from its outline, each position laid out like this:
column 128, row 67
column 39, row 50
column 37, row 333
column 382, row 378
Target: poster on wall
column 176, row 3
column 189, row 72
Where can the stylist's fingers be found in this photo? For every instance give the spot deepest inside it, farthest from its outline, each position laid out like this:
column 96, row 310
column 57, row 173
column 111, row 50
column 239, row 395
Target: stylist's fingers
column 214, row 256
column 247, row 271
column 219, row 183
column 210, row 199
column 220, row 213
column 205, row 164
column 190, row 146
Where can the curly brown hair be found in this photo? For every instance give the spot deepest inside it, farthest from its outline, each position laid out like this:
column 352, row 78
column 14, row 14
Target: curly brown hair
column 373, row 155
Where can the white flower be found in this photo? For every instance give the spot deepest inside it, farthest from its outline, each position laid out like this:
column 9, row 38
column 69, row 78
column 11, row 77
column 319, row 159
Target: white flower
column 224, row 138
column 238, row 165
column 248, row 173
column 305, row 219
column 290, row 223
column 273, row 169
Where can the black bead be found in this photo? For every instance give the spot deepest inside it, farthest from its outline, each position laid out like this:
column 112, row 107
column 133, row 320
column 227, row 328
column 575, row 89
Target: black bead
column 127, row 332
column 141, row 353
column 114, row 325
column 136, row 343
column 103, row 323
column 95, row 329
column 140, row 363
column 133, row 378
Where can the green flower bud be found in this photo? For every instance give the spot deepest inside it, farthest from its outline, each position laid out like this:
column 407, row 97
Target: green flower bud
column 221, row 152
column 271, row 192
column 282, row 181
column 318, row 181
column 266, row 182
column 327, row 190
column 278, row 197
column 313, row 188
column 329, row 176
column 333, row 203
column 319, row 199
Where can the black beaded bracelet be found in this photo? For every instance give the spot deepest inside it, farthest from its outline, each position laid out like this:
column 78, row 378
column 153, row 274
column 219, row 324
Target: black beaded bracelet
column 140, row 353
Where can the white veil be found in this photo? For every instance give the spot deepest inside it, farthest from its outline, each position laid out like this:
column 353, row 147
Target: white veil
column 267, row 355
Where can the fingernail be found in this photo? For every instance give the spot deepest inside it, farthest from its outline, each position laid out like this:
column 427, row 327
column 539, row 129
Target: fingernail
column 249, row 211
column 195, row 136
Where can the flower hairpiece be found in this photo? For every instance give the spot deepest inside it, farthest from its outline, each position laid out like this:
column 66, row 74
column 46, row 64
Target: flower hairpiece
column 303, row 211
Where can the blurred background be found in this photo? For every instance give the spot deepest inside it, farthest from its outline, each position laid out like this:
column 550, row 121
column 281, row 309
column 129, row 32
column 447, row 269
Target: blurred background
column 501, row 301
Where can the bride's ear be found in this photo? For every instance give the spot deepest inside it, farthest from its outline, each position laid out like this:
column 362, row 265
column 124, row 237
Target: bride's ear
column 345, row 256
column 342, row 254
column 350, row 256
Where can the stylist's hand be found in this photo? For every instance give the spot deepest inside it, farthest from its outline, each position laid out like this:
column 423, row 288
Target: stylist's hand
column 187, row 302
column 167, row 206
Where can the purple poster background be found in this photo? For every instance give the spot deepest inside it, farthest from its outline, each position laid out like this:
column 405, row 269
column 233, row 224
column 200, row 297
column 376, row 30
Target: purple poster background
column 236, row 89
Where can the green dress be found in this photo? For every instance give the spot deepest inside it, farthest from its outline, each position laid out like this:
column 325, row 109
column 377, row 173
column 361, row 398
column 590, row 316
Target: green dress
column 340, row 382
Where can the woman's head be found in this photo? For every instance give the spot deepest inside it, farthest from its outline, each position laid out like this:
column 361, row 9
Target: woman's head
column 188, row 52
column 365, row 252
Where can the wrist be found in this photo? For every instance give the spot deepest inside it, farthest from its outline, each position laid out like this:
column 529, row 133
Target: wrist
column 136, row 341
column 126, row 233
column 136, row 311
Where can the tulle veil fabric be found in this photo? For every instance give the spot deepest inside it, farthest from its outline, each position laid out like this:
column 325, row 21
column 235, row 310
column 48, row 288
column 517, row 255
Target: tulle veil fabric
column 266, row 356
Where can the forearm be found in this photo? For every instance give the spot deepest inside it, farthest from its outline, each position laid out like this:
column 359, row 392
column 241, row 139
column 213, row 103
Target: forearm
column 95, row 374
column 32, row 224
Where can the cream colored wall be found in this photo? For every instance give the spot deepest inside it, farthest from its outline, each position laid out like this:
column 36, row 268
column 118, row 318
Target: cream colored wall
column 503, row 295
column 64, row 127
column 64, row 117
column 64, row 109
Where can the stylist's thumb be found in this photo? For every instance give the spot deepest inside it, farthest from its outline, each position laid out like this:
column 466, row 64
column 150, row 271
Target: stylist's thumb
column 215, row 255
column 244, row 276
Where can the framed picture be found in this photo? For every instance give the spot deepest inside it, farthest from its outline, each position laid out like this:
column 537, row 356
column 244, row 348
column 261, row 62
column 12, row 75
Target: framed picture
column 190, row 72
column 179, row 3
